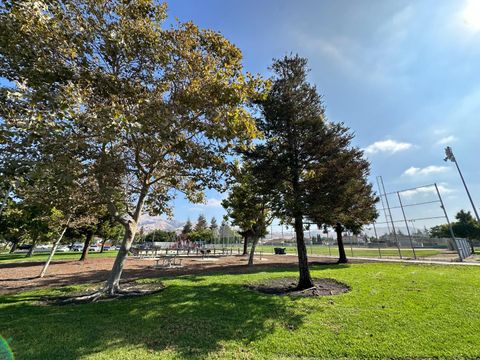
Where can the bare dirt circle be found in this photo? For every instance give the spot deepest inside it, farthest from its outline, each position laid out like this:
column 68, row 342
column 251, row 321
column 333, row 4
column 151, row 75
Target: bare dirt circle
column 288, row 286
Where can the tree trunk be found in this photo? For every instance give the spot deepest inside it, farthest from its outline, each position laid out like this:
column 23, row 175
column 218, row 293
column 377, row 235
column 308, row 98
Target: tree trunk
column 32, row 249
column 86, row 245
column 103, row 245
column 54, row 248
column 341, row 248
column 305, row 280
column 112, row 285
column 14, row 247
column 252, row 251
column 113, row 282
column 245, row 245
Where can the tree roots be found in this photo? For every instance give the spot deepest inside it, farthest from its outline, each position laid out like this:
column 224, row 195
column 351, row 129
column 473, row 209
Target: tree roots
column 103, row 294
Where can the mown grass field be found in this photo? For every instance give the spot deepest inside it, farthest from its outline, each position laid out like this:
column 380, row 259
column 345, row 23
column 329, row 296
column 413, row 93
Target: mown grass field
column 73, row 255
column 360, row 252
column 392, row 311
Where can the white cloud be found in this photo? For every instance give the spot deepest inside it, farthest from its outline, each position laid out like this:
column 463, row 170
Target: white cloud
column 212, row 202
column 447, row 140
column 379, row 60
column 387, row 146
column 428, row 170
column 209, row 203
column 427, row 190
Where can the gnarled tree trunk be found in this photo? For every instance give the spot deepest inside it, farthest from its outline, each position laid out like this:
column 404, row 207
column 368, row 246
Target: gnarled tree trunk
column 341, row 248
column 113, row 282
column 112, row 285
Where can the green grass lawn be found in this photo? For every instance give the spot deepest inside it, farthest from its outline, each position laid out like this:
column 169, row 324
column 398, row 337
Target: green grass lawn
column 360, row 252
column 73, row 255
column 392, row 311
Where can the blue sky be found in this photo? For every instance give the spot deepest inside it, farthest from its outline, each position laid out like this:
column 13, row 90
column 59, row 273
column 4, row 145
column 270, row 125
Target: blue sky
column 404, row 75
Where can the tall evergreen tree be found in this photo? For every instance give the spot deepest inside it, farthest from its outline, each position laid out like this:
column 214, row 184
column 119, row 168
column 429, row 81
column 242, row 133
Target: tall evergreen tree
column 299, row 148
column 248, row 208
column 344, row 198
column 292, row 115
column 201, row 223
column 187, row 228
column 213, row 224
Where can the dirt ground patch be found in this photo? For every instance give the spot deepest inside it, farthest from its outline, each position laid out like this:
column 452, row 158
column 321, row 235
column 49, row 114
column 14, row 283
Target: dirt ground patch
column 21, row 276
column 288, row 286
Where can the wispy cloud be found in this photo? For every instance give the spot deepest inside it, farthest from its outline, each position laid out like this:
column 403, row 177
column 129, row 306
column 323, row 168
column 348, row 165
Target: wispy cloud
column 213, row 202
column 387, row 146
column 447, row 140
column 209, row 203
column 428, row 170
column 378, row 60
column 426, row 190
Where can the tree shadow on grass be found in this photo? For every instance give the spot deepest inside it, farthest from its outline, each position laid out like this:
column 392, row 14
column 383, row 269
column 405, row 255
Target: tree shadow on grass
column 192, row 319
column 94, row 276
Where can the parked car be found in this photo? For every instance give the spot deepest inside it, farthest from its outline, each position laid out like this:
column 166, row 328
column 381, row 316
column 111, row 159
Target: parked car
column 117, row 247
column 63, row 248
column 106, row 248
column 94, row 248
column 43, row 248
column 77, row 247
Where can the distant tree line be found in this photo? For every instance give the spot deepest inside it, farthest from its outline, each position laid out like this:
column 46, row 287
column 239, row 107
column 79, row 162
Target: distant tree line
column 465, row 226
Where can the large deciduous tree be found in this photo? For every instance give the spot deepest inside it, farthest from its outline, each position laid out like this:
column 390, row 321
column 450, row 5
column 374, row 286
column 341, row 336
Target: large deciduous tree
column 152, row 109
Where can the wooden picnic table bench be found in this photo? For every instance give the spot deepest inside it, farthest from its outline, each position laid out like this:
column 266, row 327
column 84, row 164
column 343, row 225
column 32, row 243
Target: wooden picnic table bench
column 169, row 260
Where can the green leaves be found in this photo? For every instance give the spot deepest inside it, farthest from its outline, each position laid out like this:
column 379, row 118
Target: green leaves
column 151, row 108
column 305, row 163
column 246, row 204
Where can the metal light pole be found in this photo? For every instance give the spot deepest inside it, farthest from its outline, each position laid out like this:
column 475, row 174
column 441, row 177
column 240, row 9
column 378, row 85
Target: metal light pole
column 449, row 156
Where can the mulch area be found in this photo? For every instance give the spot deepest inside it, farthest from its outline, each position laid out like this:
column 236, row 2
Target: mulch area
column 288, row 286
column 22, row 276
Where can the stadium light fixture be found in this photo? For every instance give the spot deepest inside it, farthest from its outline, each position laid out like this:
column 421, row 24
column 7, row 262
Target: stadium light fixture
column 449, row 156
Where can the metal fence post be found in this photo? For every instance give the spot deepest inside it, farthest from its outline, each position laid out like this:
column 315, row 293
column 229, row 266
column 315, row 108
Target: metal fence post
column 406, row 224
column 449, row 224
column 391, row 218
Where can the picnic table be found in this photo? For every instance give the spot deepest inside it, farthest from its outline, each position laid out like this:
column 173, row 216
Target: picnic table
column 169, row 261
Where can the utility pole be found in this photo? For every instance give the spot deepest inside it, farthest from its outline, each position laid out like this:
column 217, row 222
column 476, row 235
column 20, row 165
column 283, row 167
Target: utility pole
column 449, row 156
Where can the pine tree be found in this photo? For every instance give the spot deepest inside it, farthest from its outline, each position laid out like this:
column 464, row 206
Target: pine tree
column 201, row 223
column 297, row 162
column 187, row 228
column 213, row 224
column 248, row 208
